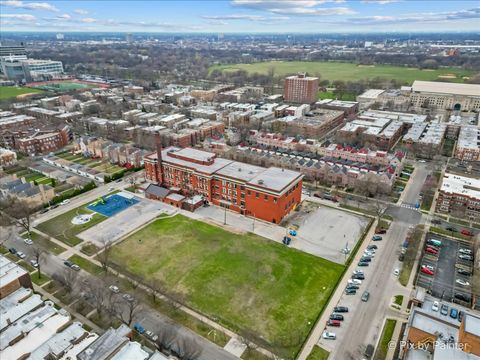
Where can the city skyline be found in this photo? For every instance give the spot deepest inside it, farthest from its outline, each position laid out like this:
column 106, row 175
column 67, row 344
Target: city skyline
column 240, row 16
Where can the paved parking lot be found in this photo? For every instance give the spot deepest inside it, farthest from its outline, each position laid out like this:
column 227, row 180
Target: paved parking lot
column 325, row 231
column 322, row 231
column 443, row 283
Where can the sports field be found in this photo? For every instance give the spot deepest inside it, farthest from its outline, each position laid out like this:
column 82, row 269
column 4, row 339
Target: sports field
column 348, row 72
column 7, row 92
column 242, row 280
column 62, row 86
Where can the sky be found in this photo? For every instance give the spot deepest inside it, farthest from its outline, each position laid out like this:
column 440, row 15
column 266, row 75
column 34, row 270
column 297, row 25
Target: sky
column 241, row 16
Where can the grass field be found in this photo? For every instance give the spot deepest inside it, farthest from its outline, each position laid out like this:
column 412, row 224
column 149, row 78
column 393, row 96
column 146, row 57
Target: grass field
column 243, row 281
column 347, row 71
column 7, row 92
column 318, row 353
column 45, row 243
column 64, row 86
column 62, row 229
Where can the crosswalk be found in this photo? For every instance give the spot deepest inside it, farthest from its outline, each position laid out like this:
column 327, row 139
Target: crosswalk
column 408, row 206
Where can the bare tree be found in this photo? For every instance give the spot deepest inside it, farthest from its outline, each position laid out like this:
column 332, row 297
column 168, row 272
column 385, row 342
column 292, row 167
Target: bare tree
column 100, row 297
column 67, row 278
column 132, row 306
column 156, row 286
column 38, row 255
column 15, row 211
column 189, row 349
column 104, row 255
column 166, row 336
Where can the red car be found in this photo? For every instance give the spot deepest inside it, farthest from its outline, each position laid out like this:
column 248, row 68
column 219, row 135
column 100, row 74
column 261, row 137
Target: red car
column 426, row 271
column 380, row 231
column 431, row 250
column 467, row 232
column 335, row 323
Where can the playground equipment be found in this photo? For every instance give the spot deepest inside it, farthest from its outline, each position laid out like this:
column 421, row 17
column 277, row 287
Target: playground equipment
column 100, row 200
column 82, row 219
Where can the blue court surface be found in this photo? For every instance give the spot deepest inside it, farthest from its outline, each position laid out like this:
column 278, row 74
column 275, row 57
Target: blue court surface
column 112, row 204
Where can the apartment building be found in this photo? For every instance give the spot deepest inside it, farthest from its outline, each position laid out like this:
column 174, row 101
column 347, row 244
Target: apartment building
column 468, row 144
column 268, row 194
column 349, row 108
column 459, row 196
column 44, row 141
column 301, row 89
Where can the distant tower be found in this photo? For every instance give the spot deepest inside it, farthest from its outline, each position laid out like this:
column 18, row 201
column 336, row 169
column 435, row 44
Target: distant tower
column 220, row 37
column 60, row 36
column 129, row 38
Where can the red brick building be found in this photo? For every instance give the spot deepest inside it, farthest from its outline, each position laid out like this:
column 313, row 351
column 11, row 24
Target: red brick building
column 266, row 193
column 42, row 142
column 300, row 89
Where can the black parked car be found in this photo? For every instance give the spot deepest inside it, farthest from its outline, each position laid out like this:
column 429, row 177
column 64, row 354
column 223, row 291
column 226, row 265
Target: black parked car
column 286, row 240
column 335, row 316
column 372, row 247
column 13, row 250
column 358, row 276
column 340, row 309
column 363, row 263
column 436, row 222
column 350, row 291
column 451, row 228
column 463, row 297
column 352, row 287
column 365, row 259
column 464, row 272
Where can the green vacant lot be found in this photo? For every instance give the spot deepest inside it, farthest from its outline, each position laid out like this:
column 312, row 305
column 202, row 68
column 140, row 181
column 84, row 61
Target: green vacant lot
column 7, row 92
column 243, row 281
column 347, row 71
column 62, row 229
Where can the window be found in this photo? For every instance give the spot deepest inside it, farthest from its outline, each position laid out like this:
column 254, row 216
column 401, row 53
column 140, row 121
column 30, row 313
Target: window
column 248, row 192
column 266, row 197
column 257, row 195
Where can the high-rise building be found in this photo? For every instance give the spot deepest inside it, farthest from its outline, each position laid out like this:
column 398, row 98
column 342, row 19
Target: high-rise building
column 129, row 38
column 300, row 89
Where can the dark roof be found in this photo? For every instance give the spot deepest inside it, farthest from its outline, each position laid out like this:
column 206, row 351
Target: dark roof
column 157, row 190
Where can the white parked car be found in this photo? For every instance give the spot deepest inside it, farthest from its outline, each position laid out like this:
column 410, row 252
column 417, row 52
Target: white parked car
column 20, row 254
column 65, row 202
column 462, row 282
column 329, row 335
column 396, row 272
column 114, row 289
column 357, row 272
column 34, row 263
column 465, row 251
column 435, row 306
column 354, row 281
column 28, row 241
column 151, row 335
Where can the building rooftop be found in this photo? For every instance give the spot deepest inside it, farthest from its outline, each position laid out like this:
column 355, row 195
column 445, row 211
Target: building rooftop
column 275, row 179
column 472, row 324
column 371, row 94
column 106, row 344
column 456, row 184
column 446, row 88
column 469, row 138
column 241, row 171
column 132, row 350
column 194, row 154
column 9, row 271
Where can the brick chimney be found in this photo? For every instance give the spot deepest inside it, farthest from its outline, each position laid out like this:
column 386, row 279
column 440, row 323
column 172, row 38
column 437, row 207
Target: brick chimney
column 158, row 143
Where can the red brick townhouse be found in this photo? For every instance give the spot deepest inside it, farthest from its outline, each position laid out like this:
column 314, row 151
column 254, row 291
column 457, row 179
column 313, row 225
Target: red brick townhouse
column 265, row 193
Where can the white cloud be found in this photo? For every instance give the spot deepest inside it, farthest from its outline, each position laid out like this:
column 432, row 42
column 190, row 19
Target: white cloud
column 80, row 12
column 244, row 17
column 379, row 2
column 20, row 17
column 29, row 6
column 64, row 17
column 88, row 20
column 295, row 7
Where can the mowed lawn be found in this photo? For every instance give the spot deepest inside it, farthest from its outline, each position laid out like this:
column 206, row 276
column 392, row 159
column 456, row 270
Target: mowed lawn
column 62, row 229
column 243, row 280
column 348, row 71
column 7, row 92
